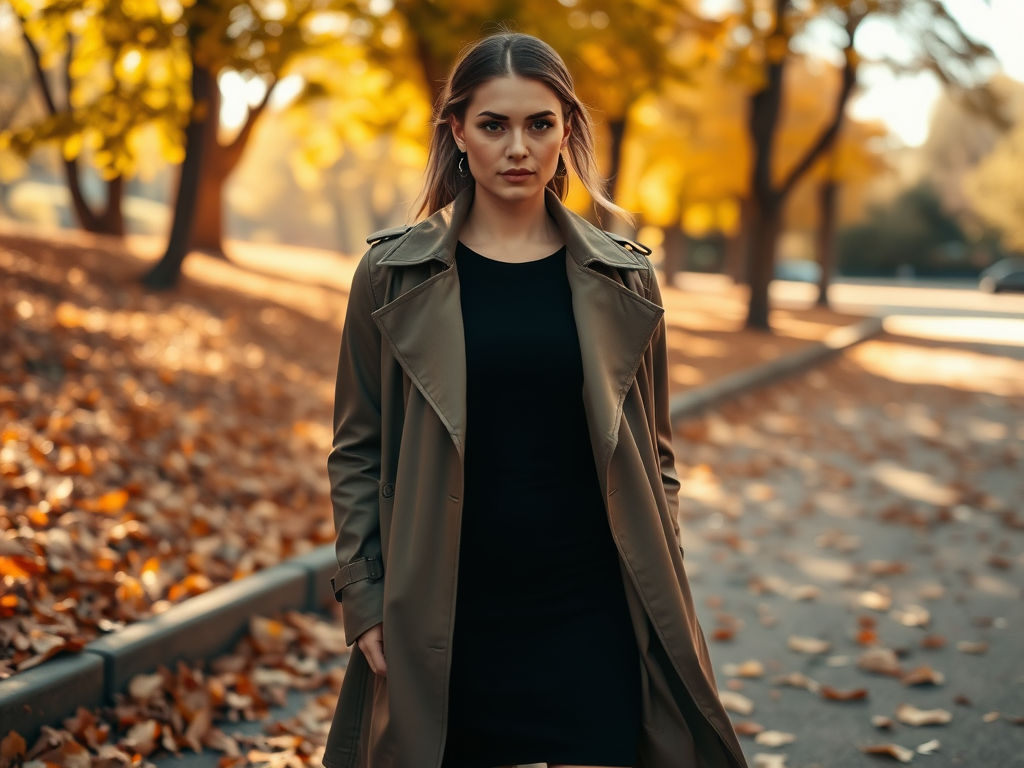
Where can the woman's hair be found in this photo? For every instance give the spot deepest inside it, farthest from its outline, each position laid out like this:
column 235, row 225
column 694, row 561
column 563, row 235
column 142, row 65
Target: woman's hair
column 502, row 55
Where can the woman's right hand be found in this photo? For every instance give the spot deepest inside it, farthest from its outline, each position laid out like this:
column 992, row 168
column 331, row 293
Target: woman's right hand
column 371, row 643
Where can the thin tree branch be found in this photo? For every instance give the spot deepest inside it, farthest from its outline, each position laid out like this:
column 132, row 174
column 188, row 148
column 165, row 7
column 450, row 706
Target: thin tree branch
column 38, row 67
column 827, row 137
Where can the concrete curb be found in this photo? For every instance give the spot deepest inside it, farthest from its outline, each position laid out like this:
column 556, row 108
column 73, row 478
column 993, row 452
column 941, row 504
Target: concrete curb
column 690, row 404
column 201, row 627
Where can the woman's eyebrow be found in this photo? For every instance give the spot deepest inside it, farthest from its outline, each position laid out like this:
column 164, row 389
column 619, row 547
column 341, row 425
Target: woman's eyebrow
column 534, row 116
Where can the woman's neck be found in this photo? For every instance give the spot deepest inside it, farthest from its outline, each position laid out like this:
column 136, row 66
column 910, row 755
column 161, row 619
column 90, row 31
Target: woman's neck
column 510, row 231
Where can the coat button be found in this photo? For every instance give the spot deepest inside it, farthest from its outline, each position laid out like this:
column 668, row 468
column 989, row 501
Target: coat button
column 387, row 491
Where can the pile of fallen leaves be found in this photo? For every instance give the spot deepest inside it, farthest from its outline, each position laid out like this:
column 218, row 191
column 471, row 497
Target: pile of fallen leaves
column 151, row 446
column 171, row 711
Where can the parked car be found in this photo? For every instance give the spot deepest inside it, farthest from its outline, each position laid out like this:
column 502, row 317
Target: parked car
column 1004, row 275
column 798, row 270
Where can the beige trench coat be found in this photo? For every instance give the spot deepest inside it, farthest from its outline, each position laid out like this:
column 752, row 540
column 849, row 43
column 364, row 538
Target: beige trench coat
column 396, row 487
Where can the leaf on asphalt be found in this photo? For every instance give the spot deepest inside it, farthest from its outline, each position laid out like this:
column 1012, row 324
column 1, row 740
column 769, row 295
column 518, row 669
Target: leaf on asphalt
column 902, row 754
column 911, row 616
column 809, row 645
column 923, row 675
column 742, row 728
column 967, row 646
column 769, row 760
column 833, row 694
column 797, row 680
column 990, row 717
column 142, row 737
column 270, row 636
column 875, row 601
column 929, row 747
column 736, row 702
column 749, row 668
column 880, row 661
column 908, row 714
column 933, row 642
column 774, row 738
column 144, row 687
column 881, row 722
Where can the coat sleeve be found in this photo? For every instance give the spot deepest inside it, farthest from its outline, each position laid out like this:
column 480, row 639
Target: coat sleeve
column 353, row 465
column 662, row 417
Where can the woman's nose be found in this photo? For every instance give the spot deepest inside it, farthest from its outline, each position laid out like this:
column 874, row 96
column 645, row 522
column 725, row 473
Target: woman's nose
column 516, row 147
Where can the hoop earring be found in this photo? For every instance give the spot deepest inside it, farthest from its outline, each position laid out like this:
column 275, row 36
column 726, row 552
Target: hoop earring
column 561, row 171
column 462, row 171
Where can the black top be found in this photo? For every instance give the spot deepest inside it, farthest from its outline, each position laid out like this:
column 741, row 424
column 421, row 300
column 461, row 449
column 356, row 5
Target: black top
column 544, row 660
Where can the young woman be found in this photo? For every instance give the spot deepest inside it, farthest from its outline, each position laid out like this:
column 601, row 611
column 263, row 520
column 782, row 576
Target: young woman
column 502, row 473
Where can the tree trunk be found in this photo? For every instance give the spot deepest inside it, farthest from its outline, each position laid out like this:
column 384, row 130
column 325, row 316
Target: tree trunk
column 166, row 272
column 826, row 238
column 674, row 250
column 208, row 222
column 617, row 135
column 735, row 261
column 765, row 227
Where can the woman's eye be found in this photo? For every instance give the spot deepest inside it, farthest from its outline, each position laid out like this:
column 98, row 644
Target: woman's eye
column 490, row 125
column 543, row 124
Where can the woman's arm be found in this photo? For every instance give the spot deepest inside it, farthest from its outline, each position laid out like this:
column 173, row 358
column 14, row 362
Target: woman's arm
column 662, row 417
column 354, row 463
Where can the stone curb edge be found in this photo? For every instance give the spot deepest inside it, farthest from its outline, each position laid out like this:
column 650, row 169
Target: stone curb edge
column 201, row 627
column 690, row 404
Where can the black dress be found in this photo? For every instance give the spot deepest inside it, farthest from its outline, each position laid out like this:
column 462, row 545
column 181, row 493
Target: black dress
column 545, row 666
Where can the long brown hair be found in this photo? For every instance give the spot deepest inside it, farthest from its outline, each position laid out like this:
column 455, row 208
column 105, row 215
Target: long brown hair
column 502, row 55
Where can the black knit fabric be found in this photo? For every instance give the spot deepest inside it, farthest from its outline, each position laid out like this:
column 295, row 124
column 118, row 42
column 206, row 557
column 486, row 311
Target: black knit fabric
column 545, row 667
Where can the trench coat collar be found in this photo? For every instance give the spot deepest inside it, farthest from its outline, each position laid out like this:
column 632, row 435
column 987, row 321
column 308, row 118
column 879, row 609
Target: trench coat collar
column 436, row 236
column 614, row 323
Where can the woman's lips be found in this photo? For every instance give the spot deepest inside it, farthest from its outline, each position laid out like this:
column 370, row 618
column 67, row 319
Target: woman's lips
column 517, row 178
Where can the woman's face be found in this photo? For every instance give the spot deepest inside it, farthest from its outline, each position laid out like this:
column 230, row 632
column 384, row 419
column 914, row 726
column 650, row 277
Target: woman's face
column 512, row 124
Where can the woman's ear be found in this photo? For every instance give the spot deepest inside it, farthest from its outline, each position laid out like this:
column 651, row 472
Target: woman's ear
column 566, row 131
column 458, row 132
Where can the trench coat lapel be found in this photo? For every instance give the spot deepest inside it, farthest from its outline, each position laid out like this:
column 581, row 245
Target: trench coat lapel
column 615, row 324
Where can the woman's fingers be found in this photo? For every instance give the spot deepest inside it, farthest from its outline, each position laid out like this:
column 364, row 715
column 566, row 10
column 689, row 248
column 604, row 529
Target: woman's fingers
column 371, row 643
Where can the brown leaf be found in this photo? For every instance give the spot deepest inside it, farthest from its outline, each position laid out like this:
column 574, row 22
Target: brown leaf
column 881, row 661
column 923, row 675
column 749, row 668
column 774, row 738
column 809, row 645
column 933, row 642
column 902, row 754
column 833, row 694
column 12, row 748
column 966, row 646
column 797, row 680
column 736, row 702
column 911, row 715
column 881, row 722
column 742, row 728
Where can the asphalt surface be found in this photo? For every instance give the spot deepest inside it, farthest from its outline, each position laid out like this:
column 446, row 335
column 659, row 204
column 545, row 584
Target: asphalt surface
column 893, row 469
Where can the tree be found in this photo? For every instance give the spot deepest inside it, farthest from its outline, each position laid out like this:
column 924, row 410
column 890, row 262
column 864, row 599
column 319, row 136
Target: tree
column 759, row 41
column 257, row 40
column 99, row 82
column 995, row 188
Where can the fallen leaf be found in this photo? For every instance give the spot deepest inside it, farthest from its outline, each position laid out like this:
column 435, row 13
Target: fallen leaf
column 747, row 728
column 923, row 675
column 12, row 748
column 810, row 645
column 966, row 646
column 990, row 717
column 912, row 616
column 769, row 760
column 832, row 694
column 749, row 668
column 929, row 747
column 902, row 754
column 908, row 714
column 933, row 642
column 881, row 661
column 797, row 680
column 874, row 601
column 882, row 722
column 736, row 702
column 774, row 738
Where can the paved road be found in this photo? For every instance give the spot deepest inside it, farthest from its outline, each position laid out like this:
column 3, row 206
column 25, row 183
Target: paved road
column 894, row 470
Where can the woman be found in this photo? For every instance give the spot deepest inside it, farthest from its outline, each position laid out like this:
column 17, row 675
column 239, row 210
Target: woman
column 502, row 473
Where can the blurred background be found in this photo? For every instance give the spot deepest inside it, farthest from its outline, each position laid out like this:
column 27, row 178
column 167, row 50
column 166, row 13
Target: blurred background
column 789, row 138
